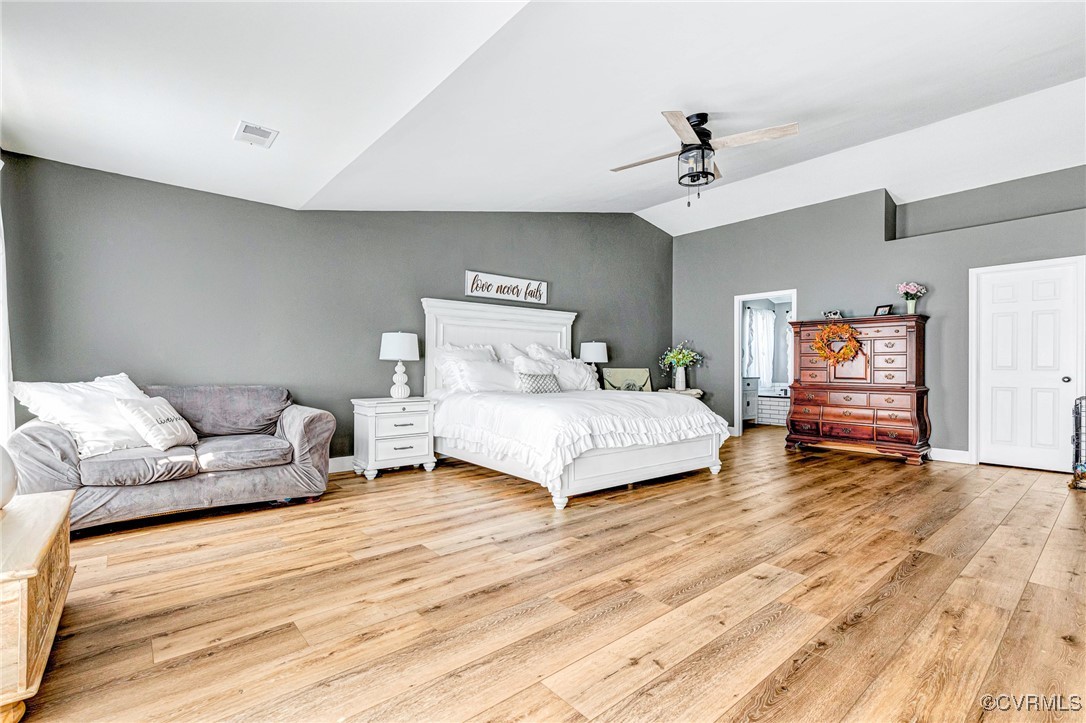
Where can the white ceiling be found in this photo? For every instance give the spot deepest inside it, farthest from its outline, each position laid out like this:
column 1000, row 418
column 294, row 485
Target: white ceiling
column 507, row 106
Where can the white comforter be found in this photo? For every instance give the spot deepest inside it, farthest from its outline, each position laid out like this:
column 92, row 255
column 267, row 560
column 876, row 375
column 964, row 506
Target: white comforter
column 545, row 432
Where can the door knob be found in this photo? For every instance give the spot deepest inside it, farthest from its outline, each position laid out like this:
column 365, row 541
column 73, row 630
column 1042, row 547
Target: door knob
column 1066, row 380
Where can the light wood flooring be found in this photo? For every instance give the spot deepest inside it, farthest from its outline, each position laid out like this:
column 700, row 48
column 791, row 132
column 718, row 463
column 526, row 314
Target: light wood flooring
column 817, row 586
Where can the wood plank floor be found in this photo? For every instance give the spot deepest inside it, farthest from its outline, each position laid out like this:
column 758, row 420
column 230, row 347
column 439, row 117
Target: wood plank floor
column 814, row 586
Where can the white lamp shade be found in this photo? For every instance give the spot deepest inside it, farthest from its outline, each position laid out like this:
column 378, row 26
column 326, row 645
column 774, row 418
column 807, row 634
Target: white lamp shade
column 593, row 352
column 399, row 346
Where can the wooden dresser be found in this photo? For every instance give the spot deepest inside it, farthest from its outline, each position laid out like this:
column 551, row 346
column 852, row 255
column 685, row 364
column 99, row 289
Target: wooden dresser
column 34, row 579
column 875, row 402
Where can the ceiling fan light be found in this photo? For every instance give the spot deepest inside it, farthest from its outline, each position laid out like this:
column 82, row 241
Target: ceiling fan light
column 696, row 165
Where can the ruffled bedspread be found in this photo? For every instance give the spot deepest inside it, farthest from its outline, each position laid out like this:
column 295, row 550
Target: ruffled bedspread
column 545, row 432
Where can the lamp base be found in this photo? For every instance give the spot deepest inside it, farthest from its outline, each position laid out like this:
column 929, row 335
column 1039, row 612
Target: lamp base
column 400, row 390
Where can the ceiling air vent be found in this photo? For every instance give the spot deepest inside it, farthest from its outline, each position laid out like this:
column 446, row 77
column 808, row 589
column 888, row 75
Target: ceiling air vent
column 255, row 135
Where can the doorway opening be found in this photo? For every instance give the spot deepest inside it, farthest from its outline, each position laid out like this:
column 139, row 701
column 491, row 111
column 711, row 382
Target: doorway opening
column 763, row 358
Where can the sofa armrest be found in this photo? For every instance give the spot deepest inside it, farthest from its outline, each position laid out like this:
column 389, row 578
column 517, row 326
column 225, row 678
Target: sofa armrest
column 310, row 432
column 45, row 457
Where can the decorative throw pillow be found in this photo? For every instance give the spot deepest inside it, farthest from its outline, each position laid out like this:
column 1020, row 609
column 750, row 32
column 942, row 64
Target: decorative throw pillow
column 575, row 375
column 538, row 384
column 449, row 354
column 524, row 365
column 541, row 351
column 157, row 422
column 86, row 410
column 484, row 376
column 509, row 352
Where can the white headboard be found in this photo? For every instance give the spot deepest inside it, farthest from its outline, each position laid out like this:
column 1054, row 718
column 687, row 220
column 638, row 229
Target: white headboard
column 464, row 322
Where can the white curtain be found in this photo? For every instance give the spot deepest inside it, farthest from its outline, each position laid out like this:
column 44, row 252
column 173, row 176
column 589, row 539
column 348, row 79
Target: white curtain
column 758, row 342
column 7, row 402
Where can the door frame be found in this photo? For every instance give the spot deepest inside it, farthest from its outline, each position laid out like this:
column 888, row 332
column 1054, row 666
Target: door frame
column 1078, row 263
column 737, row 351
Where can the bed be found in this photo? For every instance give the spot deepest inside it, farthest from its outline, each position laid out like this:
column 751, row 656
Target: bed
column 588, row 467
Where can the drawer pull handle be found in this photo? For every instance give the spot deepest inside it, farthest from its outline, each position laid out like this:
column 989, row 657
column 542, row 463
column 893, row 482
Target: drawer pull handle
column 812, row 375
column 889, row 400
column 806, row 410
column 848, row 413
column 897, row 331
column 892, row 435
column 848, row 397
column 889, row 360
column 889, row 345
column 810, row 396
column 403, row 409
column 846, row 430
column 878, row 331
column 405, row 424
column 398, row 449
column 893, row 415
column 889, row 376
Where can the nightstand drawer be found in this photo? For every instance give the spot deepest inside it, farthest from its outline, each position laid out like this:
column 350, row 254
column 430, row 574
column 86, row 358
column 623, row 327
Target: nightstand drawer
column 402, row 448
column 399, row 425
column 401, row 407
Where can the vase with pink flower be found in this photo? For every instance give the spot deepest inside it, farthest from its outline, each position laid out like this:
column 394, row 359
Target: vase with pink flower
column 911, row 291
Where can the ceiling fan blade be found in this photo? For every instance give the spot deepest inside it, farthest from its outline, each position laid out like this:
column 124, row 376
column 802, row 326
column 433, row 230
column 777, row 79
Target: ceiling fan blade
column 716, row 172
column 677, row 120
column 647, row 160
column 764, row 134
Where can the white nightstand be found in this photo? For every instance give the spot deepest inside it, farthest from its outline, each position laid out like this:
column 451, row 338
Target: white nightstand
column 393, row 433
column 695, row 393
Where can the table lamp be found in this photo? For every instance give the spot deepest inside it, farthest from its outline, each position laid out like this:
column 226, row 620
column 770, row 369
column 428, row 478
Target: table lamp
column 399, row 346
column 593, row 352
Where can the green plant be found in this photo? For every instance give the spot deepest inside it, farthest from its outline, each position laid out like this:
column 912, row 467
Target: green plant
column 680, row 355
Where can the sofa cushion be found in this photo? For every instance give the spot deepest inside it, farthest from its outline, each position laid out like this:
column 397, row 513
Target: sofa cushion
column 218, row 409
column 141, row 466
column 242, row 451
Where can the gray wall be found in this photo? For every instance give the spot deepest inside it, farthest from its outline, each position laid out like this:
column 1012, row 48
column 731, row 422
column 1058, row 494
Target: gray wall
column 108, row 273
column 835, row 255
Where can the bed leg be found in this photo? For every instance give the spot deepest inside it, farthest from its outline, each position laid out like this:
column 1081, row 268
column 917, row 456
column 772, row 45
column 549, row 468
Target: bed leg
column 559, row 502
column 715, row 469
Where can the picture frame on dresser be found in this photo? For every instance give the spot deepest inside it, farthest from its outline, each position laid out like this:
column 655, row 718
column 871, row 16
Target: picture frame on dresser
column 875, row 402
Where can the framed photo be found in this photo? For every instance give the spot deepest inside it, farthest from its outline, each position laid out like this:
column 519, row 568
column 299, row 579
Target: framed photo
column 627, row 380
column 884, row 309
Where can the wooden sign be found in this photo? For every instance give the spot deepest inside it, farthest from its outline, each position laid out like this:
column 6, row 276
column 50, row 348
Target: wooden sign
column 493, row 286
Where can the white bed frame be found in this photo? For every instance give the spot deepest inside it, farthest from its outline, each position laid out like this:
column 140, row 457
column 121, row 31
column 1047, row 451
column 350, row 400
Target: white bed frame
column 462, row 322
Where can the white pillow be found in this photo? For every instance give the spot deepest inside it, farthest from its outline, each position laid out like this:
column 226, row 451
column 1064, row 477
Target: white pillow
column 485, row 376
column 157, row 422
column 86, row 410
column 509, row 352
column 540, row 351
column 471, row 352
column 575, row 375
column 524, row 365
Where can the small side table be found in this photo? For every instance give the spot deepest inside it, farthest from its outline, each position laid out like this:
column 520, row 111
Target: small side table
column 695, row 393
column 393, row 433
column 35, row 573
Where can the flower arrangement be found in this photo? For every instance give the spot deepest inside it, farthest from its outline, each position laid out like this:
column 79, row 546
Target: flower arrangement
column 911, row 290
column 680, row 356
column 830, row 333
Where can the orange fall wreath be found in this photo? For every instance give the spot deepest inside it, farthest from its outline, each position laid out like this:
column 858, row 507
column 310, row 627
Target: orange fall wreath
column 827, row 335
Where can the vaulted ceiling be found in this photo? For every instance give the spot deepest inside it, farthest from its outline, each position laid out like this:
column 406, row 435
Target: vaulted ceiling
column 514, row 106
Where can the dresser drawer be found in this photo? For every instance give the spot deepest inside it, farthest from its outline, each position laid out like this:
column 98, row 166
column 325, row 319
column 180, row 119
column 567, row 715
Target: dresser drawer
column 889, row 346
column 815, row 362
column 882, row 332
column 848, row 431
column 892, row 401
column 402, row 407
column 814, row 375
column 399, row 425
column 808, row 334
column 402, row 448
column 848, row 414
column 805, row 411
column 807, row 348
column 894, row 418
column 885, row 376
column 891, row 361
column 848, row 399
column 801, row 426
column 800, row 395
column 890, row 434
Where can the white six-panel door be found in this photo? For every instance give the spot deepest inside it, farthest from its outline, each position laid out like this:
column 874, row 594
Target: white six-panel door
column 1029, row 357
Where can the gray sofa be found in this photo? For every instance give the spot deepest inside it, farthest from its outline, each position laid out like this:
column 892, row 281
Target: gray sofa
column 255, row 446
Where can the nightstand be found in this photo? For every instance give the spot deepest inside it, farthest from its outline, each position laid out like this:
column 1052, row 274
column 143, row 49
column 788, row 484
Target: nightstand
column 695, row 393
column 393, row 433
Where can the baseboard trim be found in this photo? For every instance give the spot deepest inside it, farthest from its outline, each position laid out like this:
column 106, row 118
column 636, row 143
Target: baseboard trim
column 340, row 464
column 958, row 456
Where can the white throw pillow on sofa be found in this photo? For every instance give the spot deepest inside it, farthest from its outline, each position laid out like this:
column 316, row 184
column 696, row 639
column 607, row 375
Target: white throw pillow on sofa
column 86, row 410
column 157, row 422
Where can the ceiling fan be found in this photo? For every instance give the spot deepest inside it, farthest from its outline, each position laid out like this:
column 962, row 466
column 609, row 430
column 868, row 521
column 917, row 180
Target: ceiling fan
column 697, row 166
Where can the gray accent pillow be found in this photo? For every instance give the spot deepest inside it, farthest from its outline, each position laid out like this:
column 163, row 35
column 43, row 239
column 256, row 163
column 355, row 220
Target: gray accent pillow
column 538, row 384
